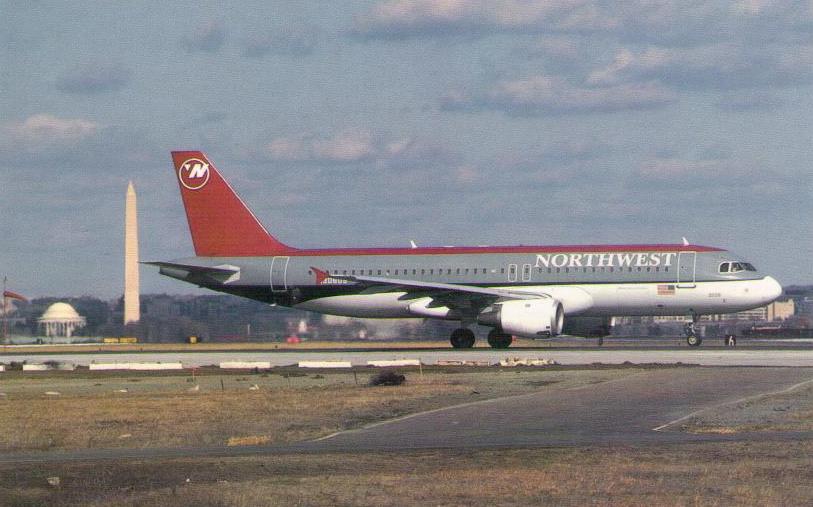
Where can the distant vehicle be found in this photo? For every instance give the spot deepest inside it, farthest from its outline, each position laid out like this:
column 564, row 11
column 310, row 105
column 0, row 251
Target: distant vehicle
column 528, row 291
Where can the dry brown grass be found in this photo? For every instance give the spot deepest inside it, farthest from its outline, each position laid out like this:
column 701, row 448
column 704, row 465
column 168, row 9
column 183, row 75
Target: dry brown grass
column 162, row 412
column 762, row 473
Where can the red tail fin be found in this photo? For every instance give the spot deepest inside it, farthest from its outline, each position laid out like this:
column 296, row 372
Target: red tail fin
column 220, row 223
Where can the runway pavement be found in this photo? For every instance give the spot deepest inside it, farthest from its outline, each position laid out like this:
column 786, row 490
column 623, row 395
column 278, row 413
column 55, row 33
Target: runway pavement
column 802, row 357
column 624, row 411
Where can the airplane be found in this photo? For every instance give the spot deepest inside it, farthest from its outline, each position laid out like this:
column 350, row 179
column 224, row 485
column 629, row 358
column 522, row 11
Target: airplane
column 524, row 291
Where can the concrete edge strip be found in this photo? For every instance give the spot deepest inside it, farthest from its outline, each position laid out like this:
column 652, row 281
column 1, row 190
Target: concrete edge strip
column 747, row 398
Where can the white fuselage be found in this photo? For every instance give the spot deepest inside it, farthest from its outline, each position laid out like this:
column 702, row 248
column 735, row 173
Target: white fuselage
column 605, row 299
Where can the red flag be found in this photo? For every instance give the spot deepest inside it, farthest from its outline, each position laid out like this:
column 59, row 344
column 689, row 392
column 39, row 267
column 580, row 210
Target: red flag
column 14, row 295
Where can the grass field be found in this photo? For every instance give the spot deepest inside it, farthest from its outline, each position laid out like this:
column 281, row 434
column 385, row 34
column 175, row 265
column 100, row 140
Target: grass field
column 133, row 410
column 765, row 474
column 102, row 410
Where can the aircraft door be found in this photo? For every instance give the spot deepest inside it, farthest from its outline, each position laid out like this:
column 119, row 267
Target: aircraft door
column 279, row 271
column 687, row 263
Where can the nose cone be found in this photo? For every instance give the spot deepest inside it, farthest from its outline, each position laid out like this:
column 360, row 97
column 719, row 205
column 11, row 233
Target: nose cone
column 771, row 289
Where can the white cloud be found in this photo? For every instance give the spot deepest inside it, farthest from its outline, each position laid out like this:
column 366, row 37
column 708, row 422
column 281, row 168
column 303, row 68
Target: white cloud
column 408, row 18
column 47, row 130
column 348, row 145
column 359, row 145
column 288, row 148
column 542, row 94
column 664, row 21
column 42, row 140
column 718, row 66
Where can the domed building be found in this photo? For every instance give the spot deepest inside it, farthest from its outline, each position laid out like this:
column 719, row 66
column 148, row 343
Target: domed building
column 60, row 319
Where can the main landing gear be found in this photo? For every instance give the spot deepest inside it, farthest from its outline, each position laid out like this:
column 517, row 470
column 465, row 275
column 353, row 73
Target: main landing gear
column 499, row 340
column 691, row 333
column 462, row 338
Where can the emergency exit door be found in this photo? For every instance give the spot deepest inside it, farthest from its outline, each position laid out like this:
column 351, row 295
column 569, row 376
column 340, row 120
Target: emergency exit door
column 687, row 264
column 279, row 272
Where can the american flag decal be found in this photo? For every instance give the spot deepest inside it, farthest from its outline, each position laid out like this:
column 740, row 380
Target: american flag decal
column 666, row 290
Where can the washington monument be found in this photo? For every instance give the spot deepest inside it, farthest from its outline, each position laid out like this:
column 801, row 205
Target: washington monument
column 132, row 310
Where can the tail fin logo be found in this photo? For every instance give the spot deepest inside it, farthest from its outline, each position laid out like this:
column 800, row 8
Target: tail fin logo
column 194, row 173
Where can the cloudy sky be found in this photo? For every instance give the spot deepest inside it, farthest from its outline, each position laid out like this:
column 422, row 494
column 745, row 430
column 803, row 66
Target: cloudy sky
column 373, row 123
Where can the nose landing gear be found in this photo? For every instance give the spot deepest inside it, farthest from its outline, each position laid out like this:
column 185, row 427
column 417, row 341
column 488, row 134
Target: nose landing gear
column 691, row 332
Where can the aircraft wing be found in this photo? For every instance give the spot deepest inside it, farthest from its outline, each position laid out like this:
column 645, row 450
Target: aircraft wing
column 442, row 287
column 462, row 297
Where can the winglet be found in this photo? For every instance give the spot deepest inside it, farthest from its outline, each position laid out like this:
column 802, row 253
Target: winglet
column 219, row 221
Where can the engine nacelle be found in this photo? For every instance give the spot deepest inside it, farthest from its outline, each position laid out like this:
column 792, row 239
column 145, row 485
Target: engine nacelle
column 588, row 327
column 530, row 318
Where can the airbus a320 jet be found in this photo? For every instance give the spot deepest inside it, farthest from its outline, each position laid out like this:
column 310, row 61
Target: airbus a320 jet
column 527, row 291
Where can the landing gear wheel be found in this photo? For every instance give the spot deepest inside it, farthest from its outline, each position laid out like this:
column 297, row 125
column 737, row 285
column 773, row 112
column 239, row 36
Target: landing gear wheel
column 499, row 340
column 691, row 333
column 462, row 338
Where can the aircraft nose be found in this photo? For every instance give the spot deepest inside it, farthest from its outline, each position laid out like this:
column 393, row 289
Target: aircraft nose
column 772, row 289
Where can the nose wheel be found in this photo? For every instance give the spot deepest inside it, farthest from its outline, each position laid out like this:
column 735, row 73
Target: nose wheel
column 691, row 334
column 462, row 338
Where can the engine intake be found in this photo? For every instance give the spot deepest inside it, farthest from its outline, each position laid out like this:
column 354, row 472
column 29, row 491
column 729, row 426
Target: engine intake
column 530, row 318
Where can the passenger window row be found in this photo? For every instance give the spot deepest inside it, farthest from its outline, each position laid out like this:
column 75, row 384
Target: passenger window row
column 512, row 270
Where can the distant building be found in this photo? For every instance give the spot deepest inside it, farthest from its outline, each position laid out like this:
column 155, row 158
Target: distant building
column 60, row 319
column 781, row 310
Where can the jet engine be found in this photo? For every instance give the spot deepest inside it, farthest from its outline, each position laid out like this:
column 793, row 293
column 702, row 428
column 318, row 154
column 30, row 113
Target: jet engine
column 531, row 318
column 588, row 327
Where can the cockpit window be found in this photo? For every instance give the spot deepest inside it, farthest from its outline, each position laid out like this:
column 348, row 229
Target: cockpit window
column 736, row 267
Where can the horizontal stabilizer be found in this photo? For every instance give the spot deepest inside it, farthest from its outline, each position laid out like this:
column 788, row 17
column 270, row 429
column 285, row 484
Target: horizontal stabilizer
column 204, row 270
column 191, row 272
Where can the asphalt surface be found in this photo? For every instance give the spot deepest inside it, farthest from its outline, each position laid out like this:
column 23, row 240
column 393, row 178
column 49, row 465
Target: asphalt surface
column 622, row 411
column 708, row 356
column 626, row 410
